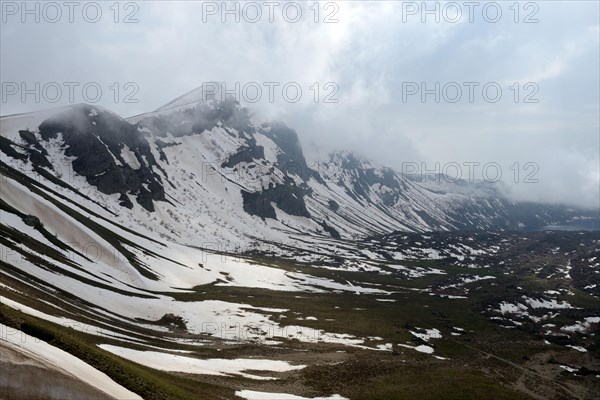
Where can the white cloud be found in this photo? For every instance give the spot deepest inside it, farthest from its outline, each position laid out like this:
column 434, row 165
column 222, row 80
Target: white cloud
column 369, row 54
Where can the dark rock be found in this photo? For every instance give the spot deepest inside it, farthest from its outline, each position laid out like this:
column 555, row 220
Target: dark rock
column 38, row 158
column 333, row 205
column 331, row 230
column 288, row 197
column 125, row 202
column 6, row 146
column 96, row 139
column 32, row 220
column 290, row 159
column 245, row 154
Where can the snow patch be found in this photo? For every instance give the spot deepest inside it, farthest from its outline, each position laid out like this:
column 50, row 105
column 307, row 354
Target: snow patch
column 214, row 366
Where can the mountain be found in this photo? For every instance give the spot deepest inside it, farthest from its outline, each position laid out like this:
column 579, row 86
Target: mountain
column 198, row 170
column 190, row 251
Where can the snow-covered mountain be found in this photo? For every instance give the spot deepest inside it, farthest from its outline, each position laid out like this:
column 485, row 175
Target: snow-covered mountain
column 198, row 171
column 137, row 238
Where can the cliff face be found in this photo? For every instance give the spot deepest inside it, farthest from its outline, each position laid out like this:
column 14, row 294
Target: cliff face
column 206, row 164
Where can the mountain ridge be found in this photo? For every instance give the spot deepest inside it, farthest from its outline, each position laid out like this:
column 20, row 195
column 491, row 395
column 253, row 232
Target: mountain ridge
column 207, row 163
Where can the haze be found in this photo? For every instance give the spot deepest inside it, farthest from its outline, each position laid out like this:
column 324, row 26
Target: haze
column 371, row 60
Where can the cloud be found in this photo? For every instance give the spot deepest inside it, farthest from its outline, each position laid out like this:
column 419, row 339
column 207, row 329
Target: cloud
column 369, row 56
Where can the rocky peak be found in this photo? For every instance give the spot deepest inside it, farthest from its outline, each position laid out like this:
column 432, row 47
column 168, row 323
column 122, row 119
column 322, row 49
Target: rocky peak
column 110, row 152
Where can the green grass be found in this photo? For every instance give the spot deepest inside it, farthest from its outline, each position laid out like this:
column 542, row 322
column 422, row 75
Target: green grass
column 361, row 374
column 149, row 383
column 438, row 382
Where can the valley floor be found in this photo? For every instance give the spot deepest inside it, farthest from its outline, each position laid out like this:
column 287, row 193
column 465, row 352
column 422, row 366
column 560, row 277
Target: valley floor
column 457, row 316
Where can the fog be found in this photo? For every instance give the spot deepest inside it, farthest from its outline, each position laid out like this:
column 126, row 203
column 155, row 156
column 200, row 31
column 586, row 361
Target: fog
column 513, row 91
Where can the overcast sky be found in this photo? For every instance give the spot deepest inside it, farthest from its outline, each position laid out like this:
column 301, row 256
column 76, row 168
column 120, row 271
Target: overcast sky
column 375, row 61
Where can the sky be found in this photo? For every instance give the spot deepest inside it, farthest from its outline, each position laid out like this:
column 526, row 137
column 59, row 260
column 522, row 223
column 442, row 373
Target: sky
column 493, row 91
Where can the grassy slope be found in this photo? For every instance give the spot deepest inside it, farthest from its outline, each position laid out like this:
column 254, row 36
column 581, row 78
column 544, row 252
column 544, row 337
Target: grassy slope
column 470, row 371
